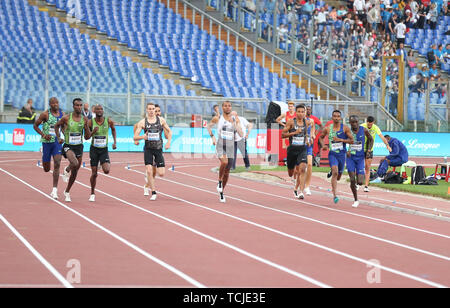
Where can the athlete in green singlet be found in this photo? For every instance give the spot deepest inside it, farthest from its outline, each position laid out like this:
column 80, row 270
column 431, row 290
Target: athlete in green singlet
column 74, row 125
column 98, row 153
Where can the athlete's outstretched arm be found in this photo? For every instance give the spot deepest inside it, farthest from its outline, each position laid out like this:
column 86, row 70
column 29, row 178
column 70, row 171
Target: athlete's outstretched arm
column 213, row 122
column 349, row 139
column 369, row 139
column 61, row 123
column 322, row 136
column 113, row 131
column 137, row 131
column 43, row 117
column 169, row 133
column 87, row 130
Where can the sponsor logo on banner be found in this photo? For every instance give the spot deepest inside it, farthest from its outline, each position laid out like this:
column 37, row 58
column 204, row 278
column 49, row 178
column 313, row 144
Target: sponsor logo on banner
column 18, row 137
column 261, row 140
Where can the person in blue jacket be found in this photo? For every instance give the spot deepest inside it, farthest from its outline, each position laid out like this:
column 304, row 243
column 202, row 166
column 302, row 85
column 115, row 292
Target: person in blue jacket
column 397, row 157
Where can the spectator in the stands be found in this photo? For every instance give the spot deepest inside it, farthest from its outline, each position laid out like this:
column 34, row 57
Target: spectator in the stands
column 433, row 72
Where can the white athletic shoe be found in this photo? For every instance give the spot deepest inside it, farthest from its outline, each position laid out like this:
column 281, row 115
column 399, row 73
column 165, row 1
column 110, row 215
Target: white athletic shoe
column 222, row 198
column 366, row 188
column 153, row 197
column 357, row 187
column 146, row 191
column 65, row 176
column 355, row 204
column 301, row 196
column 54, row 194
column 307, row 191
column 67, row 195
column 219, row 188
column 295, row 194
column 92, row 198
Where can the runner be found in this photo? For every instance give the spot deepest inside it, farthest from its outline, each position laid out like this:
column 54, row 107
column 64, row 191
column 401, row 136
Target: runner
column 297, row 132
column 98, row 153
column 356, row 155
column 153, row 126
column 312, row 135
column 73, row 124
column 51, row 145
column 290, row 114
column 227, row 126
column 374, row 130
column 338, row 135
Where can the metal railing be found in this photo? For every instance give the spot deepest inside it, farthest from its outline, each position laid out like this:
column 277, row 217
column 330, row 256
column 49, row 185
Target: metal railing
column 287, row 69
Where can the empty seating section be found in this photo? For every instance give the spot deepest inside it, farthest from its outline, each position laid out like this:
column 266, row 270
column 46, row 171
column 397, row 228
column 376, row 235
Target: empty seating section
column 28, row 37
column 155, row 30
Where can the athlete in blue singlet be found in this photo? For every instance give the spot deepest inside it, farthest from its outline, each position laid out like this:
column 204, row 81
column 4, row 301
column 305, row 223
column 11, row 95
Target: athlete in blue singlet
column 356, row 155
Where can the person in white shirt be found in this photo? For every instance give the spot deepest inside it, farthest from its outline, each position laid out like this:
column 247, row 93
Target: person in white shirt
column 241, row 142
column 400, row 32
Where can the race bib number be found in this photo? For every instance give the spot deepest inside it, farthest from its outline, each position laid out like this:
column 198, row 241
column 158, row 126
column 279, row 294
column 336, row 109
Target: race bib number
column 226, row 135
column 100, row 141
column 336, row 146
column 298, row 140
column 153, row 136
column 356, row 147
column 75, row 138
column 51, row 131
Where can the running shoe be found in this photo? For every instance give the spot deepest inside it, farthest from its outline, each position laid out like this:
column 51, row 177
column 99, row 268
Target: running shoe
column 329, row 174
column 307, row 191
column 295, row 194
column 376, row 181
column 67, row 195
column 65, row 176
column 357, row 187
column 54, row 194
column 336, row 200
column 301, row 196
column 153, row 197
column 366, row 188
column 222, row 198
column 146, row 191
column 92, row 198
column 355, row 204
column 219, row 187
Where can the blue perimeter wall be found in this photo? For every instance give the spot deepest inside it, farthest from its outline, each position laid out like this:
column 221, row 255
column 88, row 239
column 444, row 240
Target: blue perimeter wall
column 22, row 137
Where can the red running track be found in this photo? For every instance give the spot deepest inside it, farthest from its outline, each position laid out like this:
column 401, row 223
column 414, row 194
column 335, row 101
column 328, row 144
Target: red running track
column 261, row 237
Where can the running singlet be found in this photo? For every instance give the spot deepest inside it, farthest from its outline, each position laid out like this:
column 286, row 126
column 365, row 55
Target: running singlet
column 374, row 131
column 289, row 116
column 299, row 139
column 74, row 131
column 154, row 134
column 357, row 148
column 226, row 131
column 100, row 138
column 337, row 147
column 48, row 128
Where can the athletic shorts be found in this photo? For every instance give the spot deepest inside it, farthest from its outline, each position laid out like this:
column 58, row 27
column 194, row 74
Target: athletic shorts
column 337, row 160
column 76, row 149
column 368, row 155
column 309, row 150
column 296, row 156
column 154, row 157
column 356, row 164
column 98, row 155
column 50, row 150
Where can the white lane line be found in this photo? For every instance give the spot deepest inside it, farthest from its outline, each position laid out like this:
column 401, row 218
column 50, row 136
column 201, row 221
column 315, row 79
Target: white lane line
column 18, row 160
column 38, row 256
column 124, row 241
column 321, row 206
column 315, row 220
column 333, row 251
